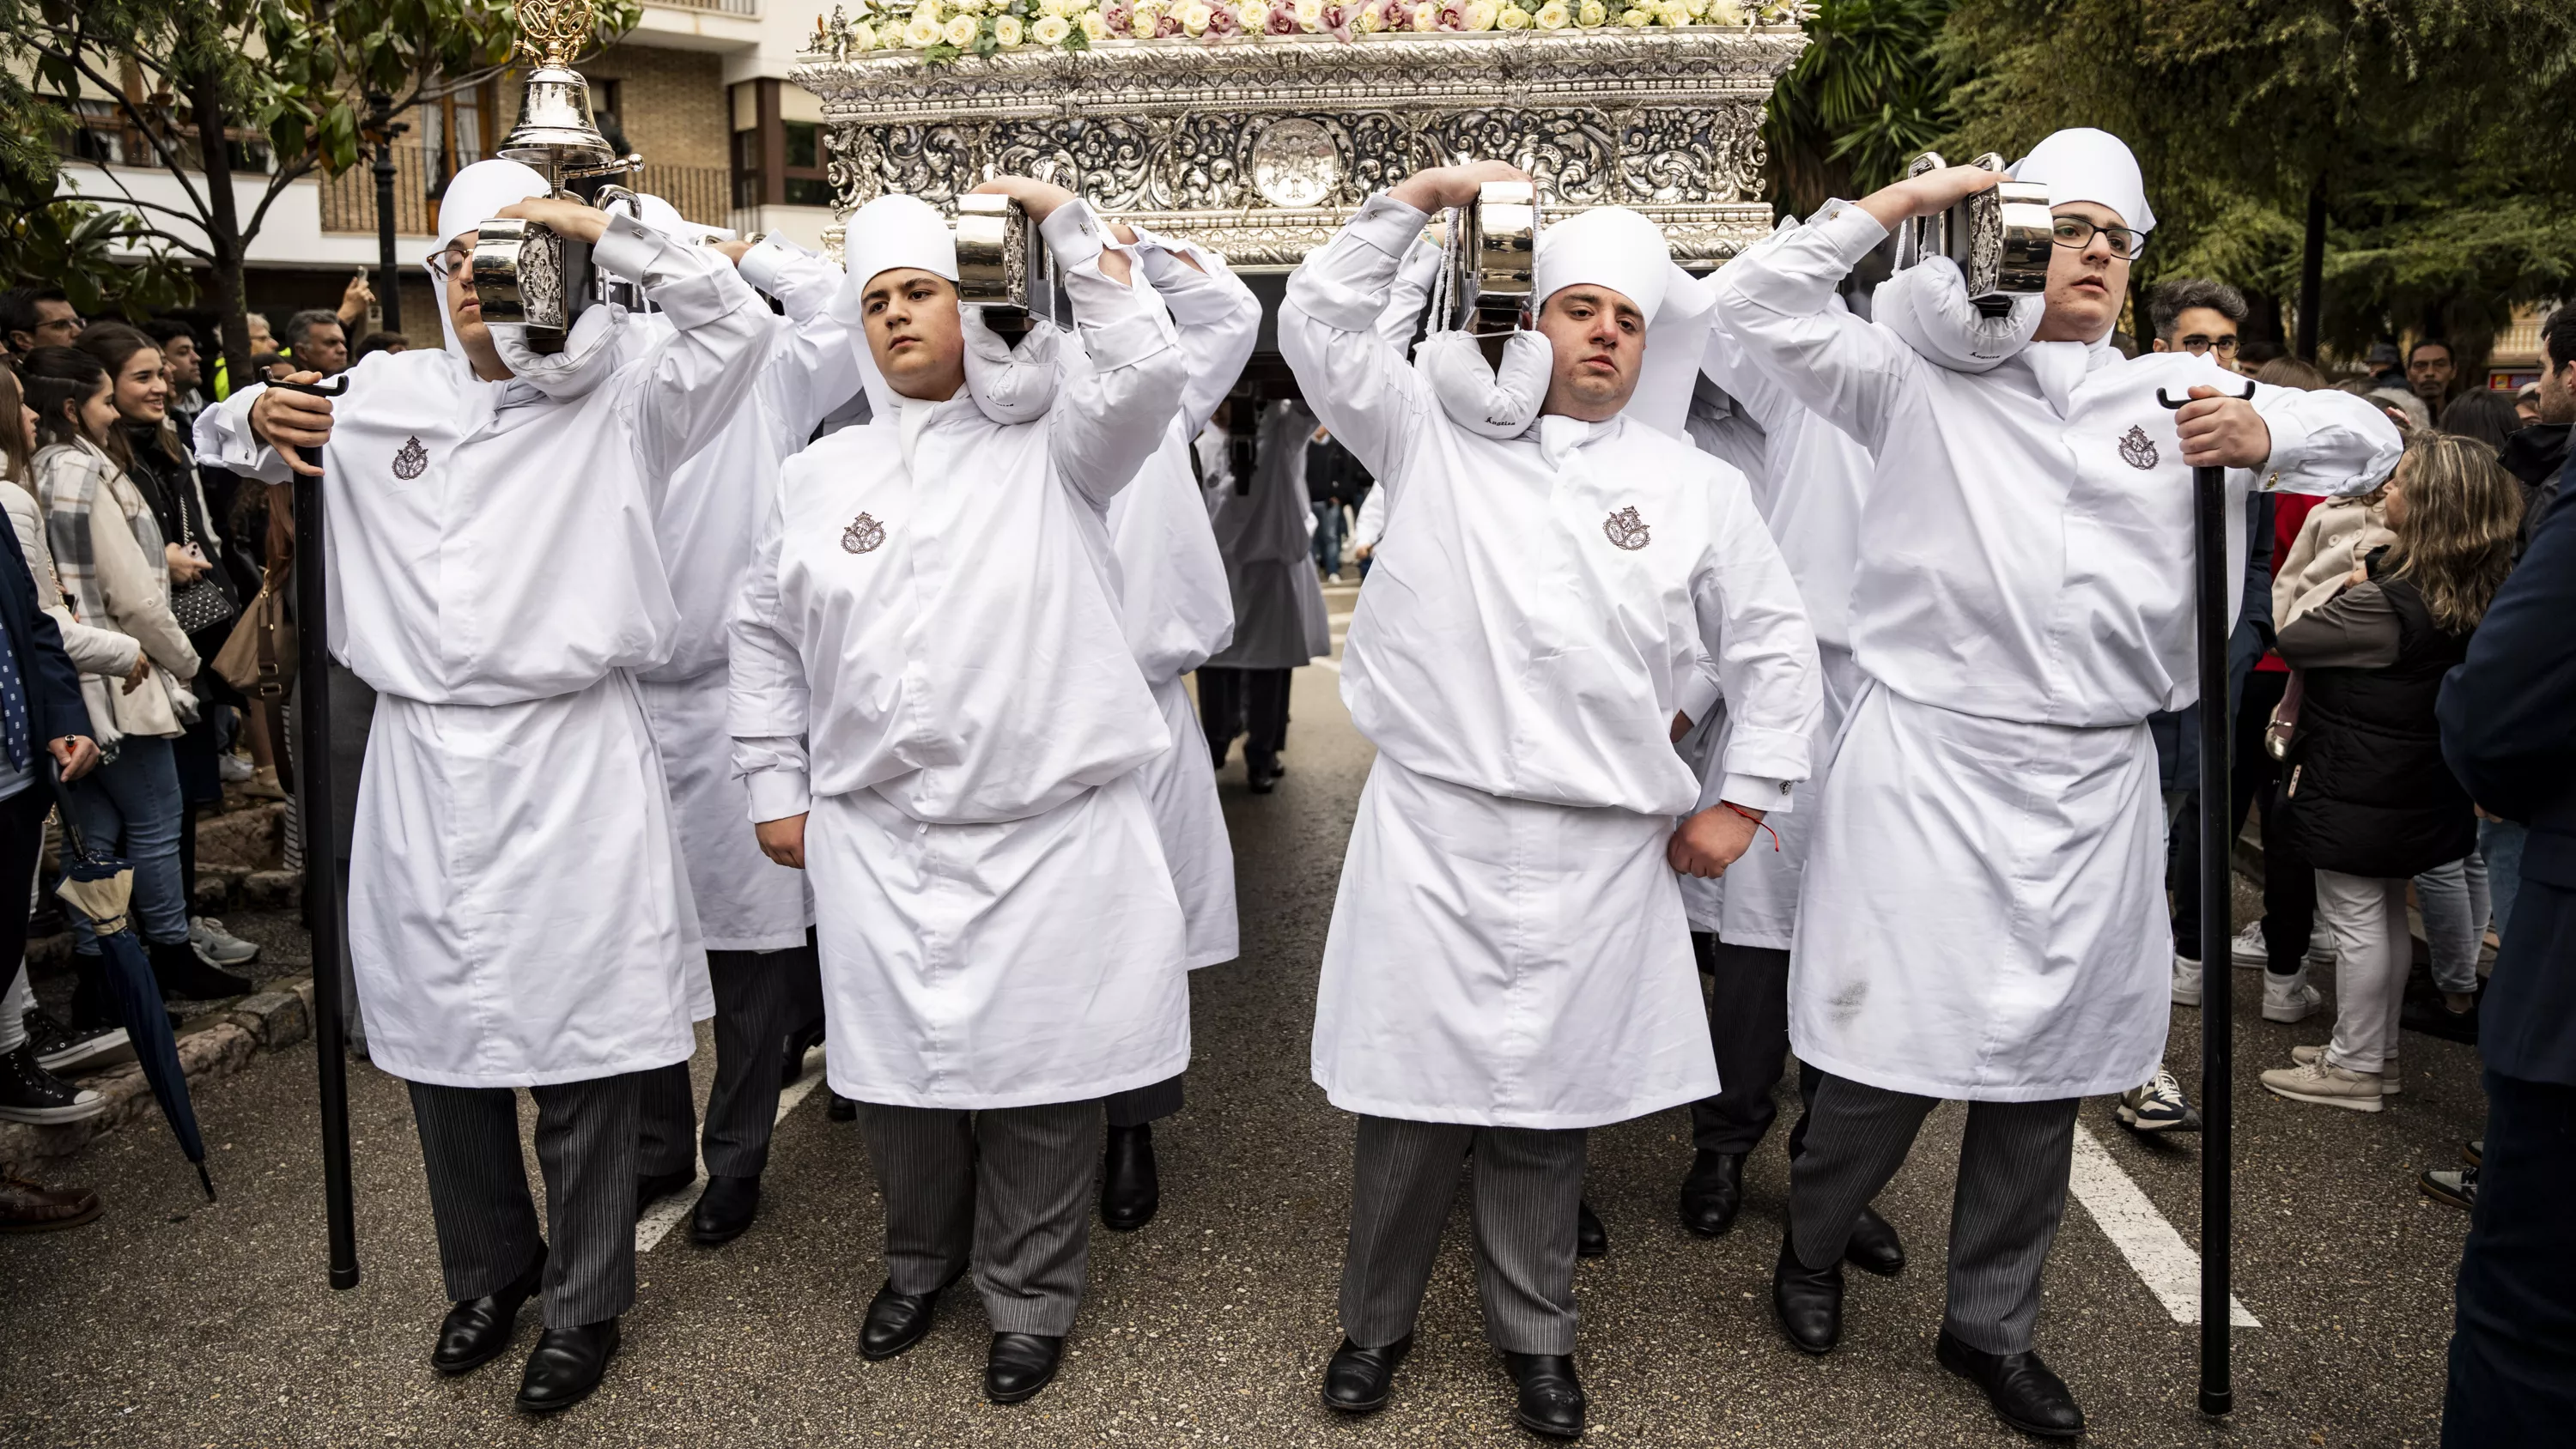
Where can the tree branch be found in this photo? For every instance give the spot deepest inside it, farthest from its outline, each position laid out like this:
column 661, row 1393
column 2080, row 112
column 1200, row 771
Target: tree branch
column 169, row 158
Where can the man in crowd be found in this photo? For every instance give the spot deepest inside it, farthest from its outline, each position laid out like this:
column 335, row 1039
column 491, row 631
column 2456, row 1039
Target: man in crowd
column 1332, row 485
column 518, row 912
column 187, row 375
column 1509, row 964
column 2536, row 454
column 33, row 317
column 2198, row 316
column 1983, row 915
column 2430, row 373
column 317, row 342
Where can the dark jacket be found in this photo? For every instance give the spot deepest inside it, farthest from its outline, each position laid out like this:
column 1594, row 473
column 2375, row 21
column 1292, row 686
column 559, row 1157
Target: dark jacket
column 54, row 705
column 2364, row 790
column 2508, row 716
column 2535, row 456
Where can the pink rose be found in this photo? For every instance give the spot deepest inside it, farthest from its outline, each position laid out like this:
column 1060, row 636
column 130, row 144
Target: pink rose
column 1452, row 18
column 1167, row 27
column 1283, row 21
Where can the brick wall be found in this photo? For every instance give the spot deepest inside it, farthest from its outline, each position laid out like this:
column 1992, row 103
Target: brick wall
column 671, row 102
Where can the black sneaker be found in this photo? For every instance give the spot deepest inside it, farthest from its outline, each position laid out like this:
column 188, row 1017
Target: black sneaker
column 29, row 1093
column 61, row 1048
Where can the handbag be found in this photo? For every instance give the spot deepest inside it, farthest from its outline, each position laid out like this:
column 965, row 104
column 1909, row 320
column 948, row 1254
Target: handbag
column 258, row 657
column 2285, row 717
column 203, row 604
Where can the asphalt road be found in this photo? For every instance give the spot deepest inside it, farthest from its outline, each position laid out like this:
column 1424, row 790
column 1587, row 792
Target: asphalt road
column 172, row 1321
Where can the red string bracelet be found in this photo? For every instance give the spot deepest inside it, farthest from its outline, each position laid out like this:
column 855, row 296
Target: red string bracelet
column 1758, row 822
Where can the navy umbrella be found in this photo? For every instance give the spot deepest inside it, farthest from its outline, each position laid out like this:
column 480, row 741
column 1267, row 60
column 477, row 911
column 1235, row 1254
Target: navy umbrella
column 101, row 887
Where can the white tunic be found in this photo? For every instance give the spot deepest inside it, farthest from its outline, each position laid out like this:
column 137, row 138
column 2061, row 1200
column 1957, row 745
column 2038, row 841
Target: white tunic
column 1262, row 526
column 708, row 526
column 1508, row 946
column 929, row 658
column 1982, row 915
column 1174, row 601
column 518, row 914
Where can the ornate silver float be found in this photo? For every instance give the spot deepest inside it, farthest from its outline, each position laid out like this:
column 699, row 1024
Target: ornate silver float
column 1260, row 149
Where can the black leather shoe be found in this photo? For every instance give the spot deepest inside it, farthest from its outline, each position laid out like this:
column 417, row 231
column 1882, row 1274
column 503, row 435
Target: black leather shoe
column 182, row 976
column 1713, row 1192
column 476, row 1330
column 2024, row 1393
column 1808, row 1300
column 724, row 1210
column 897, row 1321
column 1551, row 1397
column 1357, row 1380
column 791, row 1061
column 1591, row 1240
column 1019, row 1365
column 1129, row 1189
column 841, row 1109
column 565, row 1366
column 1874, row 1247
column 651, row 1185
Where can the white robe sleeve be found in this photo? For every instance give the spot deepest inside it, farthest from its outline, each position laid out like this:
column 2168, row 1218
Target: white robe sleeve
column 767, row 700
column 1775, row 303
column 1122, row 385
column 1360, row 387
column 2326, row 442
column 1754, row 627
column 1218, row 318
column 678, row 396
column 1372, row 521
column 1413, row 278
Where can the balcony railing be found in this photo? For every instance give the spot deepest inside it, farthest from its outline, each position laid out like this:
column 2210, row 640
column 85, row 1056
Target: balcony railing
column 750, row 9
column 701, row 193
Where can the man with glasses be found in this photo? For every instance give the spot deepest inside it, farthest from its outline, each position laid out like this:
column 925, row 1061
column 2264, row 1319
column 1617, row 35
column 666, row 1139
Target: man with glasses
column 1982, row 916
column 2198, row 316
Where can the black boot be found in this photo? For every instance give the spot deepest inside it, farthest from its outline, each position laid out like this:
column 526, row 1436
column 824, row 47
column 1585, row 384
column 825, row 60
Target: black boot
column 1020, row 1364
column 1591, row 1239
column 476, row 1330
column 185, row 977
column 1713, row 1192
column 1358, row 1379
column 1808, row 1300
column 724, row 1210
column 566, row 1365
column 1551, row 1397
column 1874, row 1246
column 2023, row 1391
column 1129, row 1189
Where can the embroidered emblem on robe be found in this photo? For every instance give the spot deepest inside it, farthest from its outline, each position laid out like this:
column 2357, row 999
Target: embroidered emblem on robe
column 409, row 463
column 1627, row 530
column 2137, row 449
column 863, row 535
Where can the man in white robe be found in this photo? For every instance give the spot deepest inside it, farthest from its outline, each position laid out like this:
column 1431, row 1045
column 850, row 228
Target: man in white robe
column 1177, row 609
column 518, row 913
column 1808, row 479
column 1982, row 915
column 1508, row 963
column 940, row 718
column 754, row 914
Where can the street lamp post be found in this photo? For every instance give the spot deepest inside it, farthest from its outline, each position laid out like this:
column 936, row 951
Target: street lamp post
column 389, row 287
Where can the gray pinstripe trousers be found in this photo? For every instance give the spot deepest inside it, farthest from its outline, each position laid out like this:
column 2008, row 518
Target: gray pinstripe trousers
column 487, row 1221
column 1009, row 1189
column 2011, row 1193
column 1528, row 1183
column 761, row 996
column 1139, row 1106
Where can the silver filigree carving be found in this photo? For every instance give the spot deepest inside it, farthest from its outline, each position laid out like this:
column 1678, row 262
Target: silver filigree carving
column 1295, row 162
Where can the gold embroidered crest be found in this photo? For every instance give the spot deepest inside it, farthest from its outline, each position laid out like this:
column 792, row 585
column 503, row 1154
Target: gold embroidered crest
column 1627, row 530
column 2137, row 449
column 863, row 535
column 412, row 460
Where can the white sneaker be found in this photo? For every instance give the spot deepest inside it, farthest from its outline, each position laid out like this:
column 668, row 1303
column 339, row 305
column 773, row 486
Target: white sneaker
column 235, row 769
column 2186, row 982
column 216, row 946
column 2289, row 999
column 2326, row 1085
column 2390, row 1082
column 2321, row 946
column 2245, row 948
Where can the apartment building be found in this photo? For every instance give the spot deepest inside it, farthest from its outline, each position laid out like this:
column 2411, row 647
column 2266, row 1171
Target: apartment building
column 699, row 88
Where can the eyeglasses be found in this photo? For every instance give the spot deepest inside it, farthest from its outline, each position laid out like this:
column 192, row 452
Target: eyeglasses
column 445, row 263
column 2196, row 343
column 2077, row 233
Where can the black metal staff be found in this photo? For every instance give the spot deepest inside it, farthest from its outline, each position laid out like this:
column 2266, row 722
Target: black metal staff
column 315, row 810
column 2217, row 1010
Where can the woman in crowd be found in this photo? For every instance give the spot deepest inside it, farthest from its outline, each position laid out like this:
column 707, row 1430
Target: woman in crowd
column 202, row 595
column 108, row 555
column 2366, row 797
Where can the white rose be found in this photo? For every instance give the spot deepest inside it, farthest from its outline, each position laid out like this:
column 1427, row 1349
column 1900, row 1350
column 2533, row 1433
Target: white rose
column 1253, row 16
column 1426, row 17
column 1479, row 14
column 960, row 31
column 1051, row 30
column 929, row 10
column 1093, row 27
column 1006, row 31
column 1513, row 17
column 1310, row 15
column 1592, row 13
column 922, row 33
column 1195, row 18
column 1551, row 16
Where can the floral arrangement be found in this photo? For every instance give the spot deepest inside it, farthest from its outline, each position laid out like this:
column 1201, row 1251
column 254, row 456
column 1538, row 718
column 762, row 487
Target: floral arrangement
column 943, row 30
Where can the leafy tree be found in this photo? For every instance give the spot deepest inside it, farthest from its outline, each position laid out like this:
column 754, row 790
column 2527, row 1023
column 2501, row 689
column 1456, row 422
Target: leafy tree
column 1865, row 97
column 208, row 83
column 102, row 259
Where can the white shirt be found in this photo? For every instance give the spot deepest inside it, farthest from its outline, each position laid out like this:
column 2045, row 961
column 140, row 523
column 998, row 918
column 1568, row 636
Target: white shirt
column 1535, row 610
column 2026, row 550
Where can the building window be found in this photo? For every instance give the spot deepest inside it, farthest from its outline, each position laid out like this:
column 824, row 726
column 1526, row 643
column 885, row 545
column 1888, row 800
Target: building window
column 778, row 161
column 807, row 182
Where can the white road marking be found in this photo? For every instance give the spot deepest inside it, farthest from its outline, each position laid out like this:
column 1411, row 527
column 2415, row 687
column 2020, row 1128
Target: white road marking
column 2159, row 1256
column 661, row 1217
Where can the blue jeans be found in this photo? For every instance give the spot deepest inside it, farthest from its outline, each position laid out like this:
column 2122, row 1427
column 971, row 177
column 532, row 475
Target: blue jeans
column 2454, row 901
column 2500, row 841
column 130, row 807
column 1328, row 537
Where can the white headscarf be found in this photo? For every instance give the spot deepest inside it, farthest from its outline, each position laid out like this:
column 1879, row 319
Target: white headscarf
column 2083, row 164
column 1927, row 305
